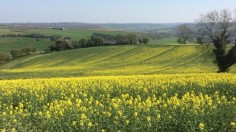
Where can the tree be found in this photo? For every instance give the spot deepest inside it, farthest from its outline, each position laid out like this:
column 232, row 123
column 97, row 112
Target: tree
column 145, row 40
column 82, row 43
column 15, row 53
column 4, row 58
column 26, row 51
column 183, row 33
column 97, row 41
column 121, row 39
column 200, row 40
column 132, row 39
column 62, row 44
column 219, row 26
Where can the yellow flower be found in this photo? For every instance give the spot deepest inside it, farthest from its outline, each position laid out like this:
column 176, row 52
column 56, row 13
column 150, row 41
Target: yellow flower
column 135, row 114
column 232, row 124
column 4, row 113
column 61, row 113
column 83, row 117
column 90, row 124
column 127, row 122
column 69, row 103
column 148, row 118
column 40, row 113
column 15, row 120
column 21, row 106
column 102, row 130
column 3, row 130
column 73, row 123
column 48, row 114
column 148, row 102
column 201, row 126
column 13, row 130
column 158, row 117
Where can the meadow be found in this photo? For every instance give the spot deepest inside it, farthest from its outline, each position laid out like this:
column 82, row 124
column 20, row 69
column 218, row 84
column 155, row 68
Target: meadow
column 9, row 43
column 196, row 102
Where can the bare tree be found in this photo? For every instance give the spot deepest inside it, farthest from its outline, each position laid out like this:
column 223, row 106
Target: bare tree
column 219, row 26
column 184, row 33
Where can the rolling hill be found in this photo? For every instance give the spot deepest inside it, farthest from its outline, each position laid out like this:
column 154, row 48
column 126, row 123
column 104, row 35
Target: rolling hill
column 9, row 43
column 112, row 60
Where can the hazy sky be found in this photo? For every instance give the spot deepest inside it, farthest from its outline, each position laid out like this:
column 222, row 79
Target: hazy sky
column 108, row 11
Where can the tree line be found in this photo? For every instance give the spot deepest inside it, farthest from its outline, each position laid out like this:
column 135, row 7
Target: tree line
column 95, row 40
column 36, row 36
column 16, row 53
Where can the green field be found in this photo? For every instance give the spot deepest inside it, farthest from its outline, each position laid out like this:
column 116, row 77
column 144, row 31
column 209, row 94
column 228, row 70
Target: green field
column 9, row 43
column 75, row 34
column 158, row 57
column 113, row 60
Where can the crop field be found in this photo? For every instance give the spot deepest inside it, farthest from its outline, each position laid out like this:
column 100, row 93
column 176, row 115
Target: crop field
column 193, row 102
column 112, row 61
column 161, row 86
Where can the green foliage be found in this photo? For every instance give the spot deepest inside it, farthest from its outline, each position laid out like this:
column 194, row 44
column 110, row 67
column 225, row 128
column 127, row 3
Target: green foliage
column 145, row 40
column 4, row 58
column 22, row 52
column 15, row 53
column 200, row 40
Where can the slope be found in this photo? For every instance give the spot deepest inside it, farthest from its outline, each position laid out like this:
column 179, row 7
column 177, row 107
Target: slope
column 112, row 60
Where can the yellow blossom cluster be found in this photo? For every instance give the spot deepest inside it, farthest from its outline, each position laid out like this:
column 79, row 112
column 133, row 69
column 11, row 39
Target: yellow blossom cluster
column 190, row 102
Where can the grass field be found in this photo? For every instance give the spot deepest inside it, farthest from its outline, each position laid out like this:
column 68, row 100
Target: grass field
column 75, row 34
column 9, row 43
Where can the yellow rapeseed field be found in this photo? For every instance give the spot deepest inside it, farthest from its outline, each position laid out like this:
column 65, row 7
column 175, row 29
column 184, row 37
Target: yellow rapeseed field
column 190, row 102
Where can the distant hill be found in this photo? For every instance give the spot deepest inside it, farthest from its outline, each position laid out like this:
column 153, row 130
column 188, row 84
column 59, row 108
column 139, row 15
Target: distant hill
column 54, row 25
column 138, row 27
column 143, row 27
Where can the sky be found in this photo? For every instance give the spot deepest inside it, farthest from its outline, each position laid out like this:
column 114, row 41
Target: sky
column 109, row 11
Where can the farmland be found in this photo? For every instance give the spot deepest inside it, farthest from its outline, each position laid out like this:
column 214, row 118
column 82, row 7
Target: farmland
column 9, row 43
column 196, row 102
column 112, row 60
column 162, row 86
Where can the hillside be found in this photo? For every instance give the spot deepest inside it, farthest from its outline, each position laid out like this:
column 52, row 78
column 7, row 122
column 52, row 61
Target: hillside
column 9, row 43
column 143, row 27
column 113, row 60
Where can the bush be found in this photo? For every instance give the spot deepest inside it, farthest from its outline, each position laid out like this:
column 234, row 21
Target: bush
column 200, row 40
column 4, row 58
column 145, row 40
column 62, row 44
column 15, row 53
